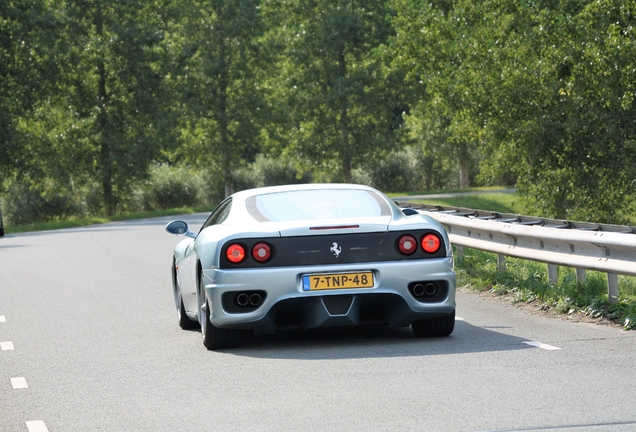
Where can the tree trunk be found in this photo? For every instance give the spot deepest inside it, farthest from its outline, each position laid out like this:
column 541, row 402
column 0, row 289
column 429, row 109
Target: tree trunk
column 464, row 182
column 222, row 119
column 345, row 155
column 105, row 151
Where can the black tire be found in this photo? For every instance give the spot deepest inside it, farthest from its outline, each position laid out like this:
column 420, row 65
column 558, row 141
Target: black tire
column 215, row 338
column 184, row 322
column 434, row 327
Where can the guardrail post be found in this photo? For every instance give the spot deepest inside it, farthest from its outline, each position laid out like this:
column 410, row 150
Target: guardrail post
column 612, row 287
column 501, row 263
column 553, row 274
column 460, row 252
column 580, row 275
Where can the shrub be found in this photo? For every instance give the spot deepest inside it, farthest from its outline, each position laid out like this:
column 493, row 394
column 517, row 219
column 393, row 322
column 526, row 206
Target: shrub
column 409, row 169
column 25, row 204
column 169, row 187
column 268, row 171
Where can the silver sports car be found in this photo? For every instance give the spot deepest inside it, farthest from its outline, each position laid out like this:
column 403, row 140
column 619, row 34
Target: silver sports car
column 308, row 256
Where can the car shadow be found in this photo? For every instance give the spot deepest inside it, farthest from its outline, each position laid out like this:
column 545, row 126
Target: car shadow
column 375, row 342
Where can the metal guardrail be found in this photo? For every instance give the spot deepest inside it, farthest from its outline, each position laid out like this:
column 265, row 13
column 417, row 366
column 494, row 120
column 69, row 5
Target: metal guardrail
column 582, row 245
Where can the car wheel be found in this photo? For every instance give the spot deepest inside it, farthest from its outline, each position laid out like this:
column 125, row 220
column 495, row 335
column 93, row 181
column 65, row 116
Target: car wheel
column 213, row 337
column 184, row 322
column 434, row 327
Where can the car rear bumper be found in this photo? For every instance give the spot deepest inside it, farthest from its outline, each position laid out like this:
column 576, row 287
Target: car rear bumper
column 287, row 305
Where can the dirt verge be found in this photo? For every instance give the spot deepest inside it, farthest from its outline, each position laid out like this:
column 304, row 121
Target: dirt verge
column 539, row 307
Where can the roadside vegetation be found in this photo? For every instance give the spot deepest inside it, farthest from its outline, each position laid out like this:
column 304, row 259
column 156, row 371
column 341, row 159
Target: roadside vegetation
column 526, row 281
column 494, row 202
column 110, row 107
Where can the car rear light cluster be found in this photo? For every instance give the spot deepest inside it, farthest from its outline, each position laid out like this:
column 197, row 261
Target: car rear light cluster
column 430, row 243
column 235, row 253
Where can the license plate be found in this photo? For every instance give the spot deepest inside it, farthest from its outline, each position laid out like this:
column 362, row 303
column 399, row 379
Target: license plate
column 338, row 281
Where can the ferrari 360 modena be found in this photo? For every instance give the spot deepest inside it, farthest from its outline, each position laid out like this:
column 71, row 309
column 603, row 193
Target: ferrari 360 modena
column 309, row 256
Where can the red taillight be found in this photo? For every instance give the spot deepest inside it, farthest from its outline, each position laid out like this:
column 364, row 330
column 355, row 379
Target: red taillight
column 407, row 245
column 235, row 253
column 261, row 252
column 431, row 243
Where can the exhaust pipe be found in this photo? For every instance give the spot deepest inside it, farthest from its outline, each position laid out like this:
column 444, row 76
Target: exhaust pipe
column 418, row 290
column 430, row 289
column 421, row 290
column 242, row 299
column 255, row 299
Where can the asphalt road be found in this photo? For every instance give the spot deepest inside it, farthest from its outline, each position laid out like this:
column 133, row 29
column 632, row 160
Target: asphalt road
column 89, row 342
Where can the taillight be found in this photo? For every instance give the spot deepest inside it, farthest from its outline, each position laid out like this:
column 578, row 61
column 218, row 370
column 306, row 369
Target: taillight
column 431, row 243
column 261, row 252
column 235, row 253
column 407, row 245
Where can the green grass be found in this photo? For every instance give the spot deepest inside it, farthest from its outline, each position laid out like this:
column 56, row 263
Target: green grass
column 527, row 281
column 447, row 191
column 495, row 202
column 78, row 222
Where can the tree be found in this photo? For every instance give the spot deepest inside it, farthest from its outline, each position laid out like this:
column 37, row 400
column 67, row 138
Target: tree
column 220, row 67
column 107, row 111
column 565, row 119
column 25, row 74
column 345, row 104
column 442, row 45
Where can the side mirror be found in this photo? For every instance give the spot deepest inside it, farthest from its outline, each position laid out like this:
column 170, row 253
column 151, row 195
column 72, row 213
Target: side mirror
column 179, row 227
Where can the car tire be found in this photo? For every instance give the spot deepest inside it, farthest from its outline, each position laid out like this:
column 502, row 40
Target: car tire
column 434, row 327
column 215, row 338
column 184, row 322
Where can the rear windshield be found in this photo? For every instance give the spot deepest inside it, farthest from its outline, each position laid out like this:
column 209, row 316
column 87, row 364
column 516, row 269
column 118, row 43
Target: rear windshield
column 317, row 204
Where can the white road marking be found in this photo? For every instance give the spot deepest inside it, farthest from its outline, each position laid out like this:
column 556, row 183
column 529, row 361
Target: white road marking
column 2, row 318
column 19, row 383
column 459, row 319
column 36, row 426
column 542, row 345
column 6, row 346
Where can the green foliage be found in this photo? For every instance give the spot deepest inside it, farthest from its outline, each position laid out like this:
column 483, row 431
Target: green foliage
column 402, row 94
column 570, row 138
column 26, row 74
column 95, row 115
column 404, row 169
column 221, row 63
column 527, row 281
column 268, row 171
column 168, row 188
column 345, row 103
column 496, row 202
column 24, row 205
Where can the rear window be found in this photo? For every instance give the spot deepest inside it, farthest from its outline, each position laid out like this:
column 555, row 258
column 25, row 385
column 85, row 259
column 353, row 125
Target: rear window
column 317, row 204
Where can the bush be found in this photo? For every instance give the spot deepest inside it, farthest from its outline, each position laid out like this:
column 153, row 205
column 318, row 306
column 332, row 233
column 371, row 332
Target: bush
column 169, row 187
column 267, row 171
column 25, row 204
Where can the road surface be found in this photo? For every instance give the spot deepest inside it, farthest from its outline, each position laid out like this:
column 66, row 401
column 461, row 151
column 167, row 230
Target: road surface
column 89, row 342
